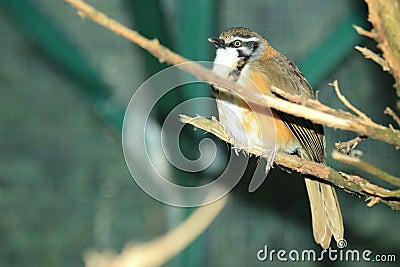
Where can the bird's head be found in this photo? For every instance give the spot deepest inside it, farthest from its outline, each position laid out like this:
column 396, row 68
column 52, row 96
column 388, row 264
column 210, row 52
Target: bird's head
column 237, row 47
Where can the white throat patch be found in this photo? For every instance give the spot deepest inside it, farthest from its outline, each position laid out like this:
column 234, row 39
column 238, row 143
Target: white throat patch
column 225, row 60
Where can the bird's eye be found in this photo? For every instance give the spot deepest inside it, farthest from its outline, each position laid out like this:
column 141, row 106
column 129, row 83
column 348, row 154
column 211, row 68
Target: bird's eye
column 237, row 43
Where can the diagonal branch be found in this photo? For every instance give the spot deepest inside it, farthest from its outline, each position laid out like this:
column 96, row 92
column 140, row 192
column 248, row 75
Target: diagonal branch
column 366, row 167
column 391, row 113
column 346, row 147
column 361, row 31
column 309, row 109
column 344, row 100
column 159, row 250
column 371, row 55
column 350, row 183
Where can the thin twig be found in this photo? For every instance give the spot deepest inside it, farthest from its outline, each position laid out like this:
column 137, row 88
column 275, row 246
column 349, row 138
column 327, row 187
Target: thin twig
column 366, row 167
column 372, row 201
column 308, row 110
column 346, row 147
column 391, row 113
column 366, row 33
column 371, row 55
column 344, row 100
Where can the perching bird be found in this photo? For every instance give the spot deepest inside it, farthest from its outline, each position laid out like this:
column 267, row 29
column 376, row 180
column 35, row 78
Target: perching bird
column 246, row 57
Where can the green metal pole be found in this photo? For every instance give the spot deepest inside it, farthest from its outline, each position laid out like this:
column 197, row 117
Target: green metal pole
column 196, row 23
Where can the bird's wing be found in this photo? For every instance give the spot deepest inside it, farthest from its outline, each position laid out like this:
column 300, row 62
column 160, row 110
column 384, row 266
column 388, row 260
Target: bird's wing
column 310, row 135
column 284, row 74
column 325, row 209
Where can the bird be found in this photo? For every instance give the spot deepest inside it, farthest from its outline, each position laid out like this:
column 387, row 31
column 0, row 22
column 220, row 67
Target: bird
column 245, row 57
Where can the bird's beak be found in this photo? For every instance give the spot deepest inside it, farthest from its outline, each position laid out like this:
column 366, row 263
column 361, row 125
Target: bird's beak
column 217, row 42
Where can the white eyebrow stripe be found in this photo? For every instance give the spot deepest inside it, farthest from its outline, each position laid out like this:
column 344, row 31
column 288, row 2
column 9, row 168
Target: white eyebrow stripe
column 244, row 39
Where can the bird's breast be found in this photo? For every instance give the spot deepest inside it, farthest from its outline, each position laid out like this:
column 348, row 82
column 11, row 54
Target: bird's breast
column 253, row 125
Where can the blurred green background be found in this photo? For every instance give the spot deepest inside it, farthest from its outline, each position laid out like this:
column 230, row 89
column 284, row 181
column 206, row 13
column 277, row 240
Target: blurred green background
column 65, row 83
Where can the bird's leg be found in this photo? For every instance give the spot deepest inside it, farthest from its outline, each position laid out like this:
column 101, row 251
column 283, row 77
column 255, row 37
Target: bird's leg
column 270, row 153
column 261, row 172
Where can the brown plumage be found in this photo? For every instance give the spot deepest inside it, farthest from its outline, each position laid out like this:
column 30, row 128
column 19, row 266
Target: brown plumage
column 266, row 67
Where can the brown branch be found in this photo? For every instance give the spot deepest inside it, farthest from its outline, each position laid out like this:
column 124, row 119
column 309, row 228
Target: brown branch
column 366, row 33
column 162, row 53
column 311, row 109
column 159, row 250
column 367, row 167
column 344, row 100
column 391, row 113
column 346, row 147
column 385, row 18
column 371, row 55
column 350, row 183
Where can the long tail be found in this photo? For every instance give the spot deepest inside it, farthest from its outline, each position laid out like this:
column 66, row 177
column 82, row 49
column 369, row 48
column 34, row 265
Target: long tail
column 325, row 212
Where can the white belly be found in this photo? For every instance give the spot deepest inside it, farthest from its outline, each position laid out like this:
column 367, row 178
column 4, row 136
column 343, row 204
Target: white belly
column 246, row 128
